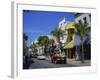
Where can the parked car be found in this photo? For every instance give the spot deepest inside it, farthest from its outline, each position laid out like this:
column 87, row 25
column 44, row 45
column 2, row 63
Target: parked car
column 41, row 57
column 34, row 55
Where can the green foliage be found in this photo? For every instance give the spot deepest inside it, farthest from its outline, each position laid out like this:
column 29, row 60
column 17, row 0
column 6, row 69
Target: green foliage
column 57, row 32
column 43, row 40
column 33, row 46
column 25, row 37
column 82, row 28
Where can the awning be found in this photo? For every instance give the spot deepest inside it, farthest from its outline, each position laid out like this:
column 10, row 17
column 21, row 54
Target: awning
column 71, row 43
column 70, row 26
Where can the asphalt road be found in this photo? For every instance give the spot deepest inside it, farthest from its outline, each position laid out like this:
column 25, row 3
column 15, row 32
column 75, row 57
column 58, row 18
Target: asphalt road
column 47, row 64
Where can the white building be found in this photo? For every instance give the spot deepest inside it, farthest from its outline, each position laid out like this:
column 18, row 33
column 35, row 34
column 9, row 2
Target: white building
column 84, row 17
column 40, row 50
column 62, row 25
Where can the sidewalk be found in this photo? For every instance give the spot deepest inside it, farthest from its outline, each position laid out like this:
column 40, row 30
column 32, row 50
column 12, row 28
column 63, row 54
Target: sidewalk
column 78, row 63
column 75, row 62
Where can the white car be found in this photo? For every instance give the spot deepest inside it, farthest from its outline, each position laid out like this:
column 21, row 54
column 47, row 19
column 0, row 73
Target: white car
column 41, row 57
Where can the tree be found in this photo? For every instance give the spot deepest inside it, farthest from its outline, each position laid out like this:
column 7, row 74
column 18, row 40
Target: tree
column 57, row 32
column 43, row 41
column 33, row 46
column 25, row 51
column 82, row 30
column 25, row 37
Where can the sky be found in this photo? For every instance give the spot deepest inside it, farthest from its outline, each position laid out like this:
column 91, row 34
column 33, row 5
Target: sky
column 37, row 23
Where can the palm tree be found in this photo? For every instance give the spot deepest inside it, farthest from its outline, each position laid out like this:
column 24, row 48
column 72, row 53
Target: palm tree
column 58, row 33
column 25, row 38
column 43, row 41
column 25, row 51
column 82, row 29
column 33, row 46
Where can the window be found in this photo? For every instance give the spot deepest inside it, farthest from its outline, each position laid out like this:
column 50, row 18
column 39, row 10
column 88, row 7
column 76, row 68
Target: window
column 79, row 21
column 85, row 21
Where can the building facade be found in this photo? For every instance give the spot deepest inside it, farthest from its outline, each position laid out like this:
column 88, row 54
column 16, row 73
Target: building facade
column 84, row 17
column 62, row 25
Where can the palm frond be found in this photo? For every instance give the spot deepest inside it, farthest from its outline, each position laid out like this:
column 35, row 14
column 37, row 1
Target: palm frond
column 82, row 28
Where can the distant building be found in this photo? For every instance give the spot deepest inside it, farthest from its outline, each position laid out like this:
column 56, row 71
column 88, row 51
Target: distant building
column 40, row 50
column 62, row 25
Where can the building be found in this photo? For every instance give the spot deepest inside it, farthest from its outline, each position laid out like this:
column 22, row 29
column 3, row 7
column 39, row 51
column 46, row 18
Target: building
column 84, row 17
column 40, row 50
column 62, row 25
column 70, row 39
column 70, row 47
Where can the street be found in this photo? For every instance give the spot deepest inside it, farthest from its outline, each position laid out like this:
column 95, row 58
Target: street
column 47, row 64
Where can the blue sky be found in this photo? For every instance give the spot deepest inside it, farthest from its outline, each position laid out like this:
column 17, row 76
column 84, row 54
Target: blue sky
column 36, row 23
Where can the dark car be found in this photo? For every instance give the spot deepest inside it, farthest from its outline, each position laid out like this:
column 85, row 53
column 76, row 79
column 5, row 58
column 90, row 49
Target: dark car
column 58, row 59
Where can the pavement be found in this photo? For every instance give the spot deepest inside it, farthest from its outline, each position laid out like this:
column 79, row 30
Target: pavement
column 75, row 62
column 47, row 64
column 79, row 63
